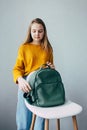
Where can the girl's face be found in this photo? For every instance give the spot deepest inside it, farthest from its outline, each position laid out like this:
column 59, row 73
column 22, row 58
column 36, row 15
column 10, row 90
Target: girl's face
column 37, row 32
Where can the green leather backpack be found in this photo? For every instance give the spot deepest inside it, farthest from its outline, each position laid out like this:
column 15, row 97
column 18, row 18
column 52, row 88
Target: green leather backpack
column 47, row 88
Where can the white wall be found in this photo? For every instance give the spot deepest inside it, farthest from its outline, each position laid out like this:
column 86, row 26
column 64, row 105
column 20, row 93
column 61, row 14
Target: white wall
column 66, row 22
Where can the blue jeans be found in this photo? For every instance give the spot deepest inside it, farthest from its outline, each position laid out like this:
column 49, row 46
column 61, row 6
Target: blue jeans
column 24, row 116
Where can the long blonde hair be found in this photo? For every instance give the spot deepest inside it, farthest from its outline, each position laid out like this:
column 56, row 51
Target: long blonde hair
column 45, row 42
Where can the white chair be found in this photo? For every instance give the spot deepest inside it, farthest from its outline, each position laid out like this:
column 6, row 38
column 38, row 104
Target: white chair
column 69, row 109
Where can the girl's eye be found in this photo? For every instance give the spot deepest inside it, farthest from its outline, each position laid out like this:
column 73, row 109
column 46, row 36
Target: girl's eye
column 40, row 31
column 33, row 31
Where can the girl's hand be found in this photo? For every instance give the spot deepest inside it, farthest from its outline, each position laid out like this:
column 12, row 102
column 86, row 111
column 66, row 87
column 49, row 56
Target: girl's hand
column 50, row 64
column 23, row 85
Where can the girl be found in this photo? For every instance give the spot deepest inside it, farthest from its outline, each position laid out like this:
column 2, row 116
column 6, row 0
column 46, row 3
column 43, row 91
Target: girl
column 35, row 51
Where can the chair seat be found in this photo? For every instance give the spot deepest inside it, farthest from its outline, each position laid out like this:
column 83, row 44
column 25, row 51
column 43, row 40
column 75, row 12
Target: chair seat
column 68, row 109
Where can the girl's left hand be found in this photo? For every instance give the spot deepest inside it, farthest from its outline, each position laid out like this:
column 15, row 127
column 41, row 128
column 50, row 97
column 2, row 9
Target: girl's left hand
column 50, row 64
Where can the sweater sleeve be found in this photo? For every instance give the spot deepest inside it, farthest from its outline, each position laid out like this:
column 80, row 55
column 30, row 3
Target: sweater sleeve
column 18, row 69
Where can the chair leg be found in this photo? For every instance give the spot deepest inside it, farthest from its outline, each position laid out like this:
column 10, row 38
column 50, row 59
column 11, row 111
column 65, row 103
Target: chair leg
column 33, row 122
column 46, row 124
column 75, row 123
column 58, row 124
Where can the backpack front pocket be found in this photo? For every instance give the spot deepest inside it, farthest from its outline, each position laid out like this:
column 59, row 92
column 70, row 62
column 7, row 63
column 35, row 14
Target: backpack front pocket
column 49, row 94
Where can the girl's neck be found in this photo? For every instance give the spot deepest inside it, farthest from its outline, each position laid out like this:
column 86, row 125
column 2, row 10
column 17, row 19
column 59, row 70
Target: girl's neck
column 36, row 43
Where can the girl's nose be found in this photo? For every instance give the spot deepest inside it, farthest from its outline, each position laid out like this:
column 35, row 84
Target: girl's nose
column 37, row 32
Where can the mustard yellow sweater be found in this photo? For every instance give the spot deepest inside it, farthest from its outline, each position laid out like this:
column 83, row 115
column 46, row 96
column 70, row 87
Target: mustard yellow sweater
column 30, row 57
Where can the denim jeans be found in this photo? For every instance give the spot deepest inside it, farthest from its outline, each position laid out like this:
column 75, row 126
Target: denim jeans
column 24, row 116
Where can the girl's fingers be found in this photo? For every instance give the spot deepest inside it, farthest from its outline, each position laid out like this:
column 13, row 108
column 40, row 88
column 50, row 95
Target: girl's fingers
column 28, row 86
column 25, row 89
column 23, row 85
column 50, row 64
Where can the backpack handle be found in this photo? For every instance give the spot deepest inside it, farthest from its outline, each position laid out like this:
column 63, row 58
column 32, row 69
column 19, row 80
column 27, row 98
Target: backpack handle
column 44, row 66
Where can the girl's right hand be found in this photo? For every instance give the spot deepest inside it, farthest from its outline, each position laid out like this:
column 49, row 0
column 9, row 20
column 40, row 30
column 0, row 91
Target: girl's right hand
column 23, row 85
